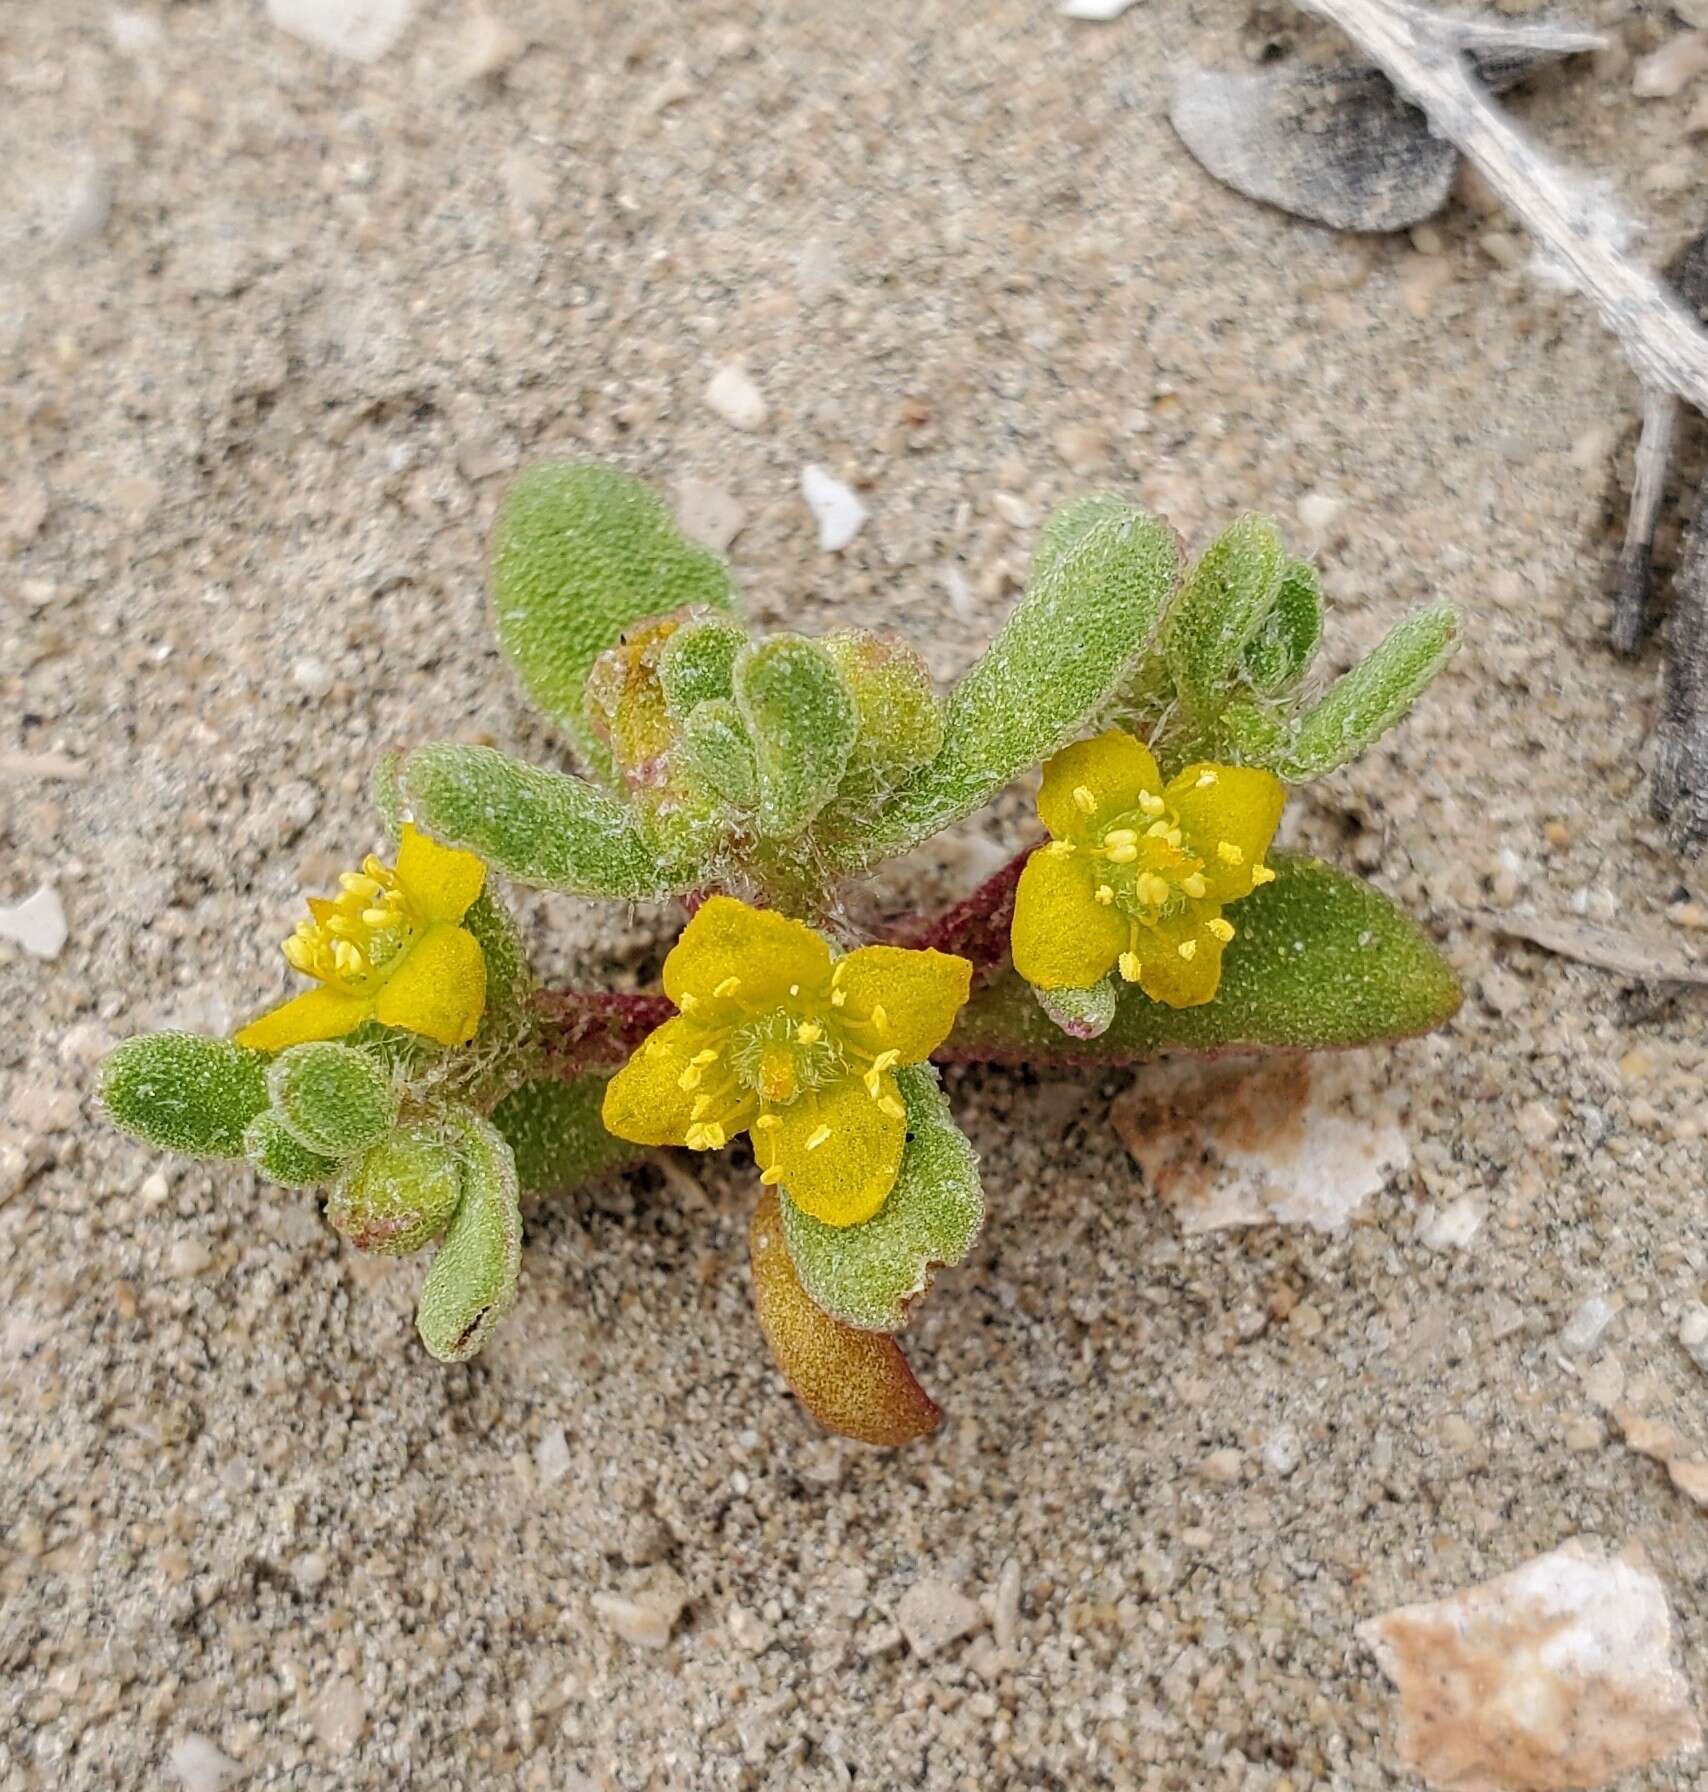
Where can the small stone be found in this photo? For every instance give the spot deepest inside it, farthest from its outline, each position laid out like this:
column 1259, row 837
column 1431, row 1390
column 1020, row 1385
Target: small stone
column 1670, row 69
column 735, row 398
column 339, row 1715
column 882, row 1641
column 134, row 33
column 1502, row 992
column 363, row 30
column 551, row 1455
column 1690, row 1478
column 489, row 47
column 839, row 513
column 647, row 1614
column 933, row 1613
column 1281, row 1451
column 747, row 1632
column 1585, row 1435
column 1693, row 1335
column 1537, row 1122
column 1221, row 1465
column 1604, row 1385
column 1005, row 1607
column 154, row 1188
column 1693, row 915
column 189, row 1257
column 1081, row 446
column 43, row 1109
column 708, row 515
column 312, row 676
column 310, row 1570
column 1317, row 511
column 818, row 271
column 37, row 923
column 14, row 1169
column 1582, row 1332
column 200, row 1767
column 1014, row 510
column 1452, row 1227
column 1099, row 11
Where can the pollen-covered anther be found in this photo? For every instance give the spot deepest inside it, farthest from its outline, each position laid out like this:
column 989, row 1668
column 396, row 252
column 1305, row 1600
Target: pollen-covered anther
column 691, row 1078
column 706, row 1137
column 809, row 1032
column 1129, row 967
column 1261, row 874
column 1061, row 849
column 727, row 988
column 1223, row 930
column 1228, row 853
column 1151, row 889
column 1105, row 894
column 1188, row 949
column 1121, row 837
column 1206, row 780
column 1195, row 886
column 889, row 1105
column 838, row 997
column 820, row 1135
column 765, row 1122
column 1083, row 800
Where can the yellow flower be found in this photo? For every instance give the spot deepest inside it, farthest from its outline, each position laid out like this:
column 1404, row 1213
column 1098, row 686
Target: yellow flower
column 1136, row 874
column 778, row 1039
column 389, row 947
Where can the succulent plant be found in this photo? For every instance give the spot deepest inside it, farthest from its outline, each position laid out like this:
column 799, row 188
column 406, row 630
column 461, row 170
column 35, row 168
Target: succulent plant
column 426, row 1084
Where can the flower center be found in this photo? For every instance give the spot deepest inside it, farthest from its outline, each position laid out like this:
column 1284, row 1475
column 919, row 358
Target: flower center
column 1147, row 869
column 357, row 939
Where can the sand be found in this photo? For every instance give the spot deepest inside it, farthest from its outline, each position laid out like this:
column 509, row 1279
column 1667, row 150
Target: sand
column 274, row 328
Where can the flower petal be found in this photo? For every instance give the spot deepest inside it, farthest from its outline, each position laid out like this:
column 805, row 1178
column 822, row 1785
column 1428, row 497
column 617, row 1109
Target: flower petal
column 764, row 951
column 1241, row 808
column 1063, row 937
column 438, row 880
column 645, row 1102
column 319, row 1013
column 837, row 1150
column 439, row 987
column 1114, row 768
column 1164, row 975
column 919, row 992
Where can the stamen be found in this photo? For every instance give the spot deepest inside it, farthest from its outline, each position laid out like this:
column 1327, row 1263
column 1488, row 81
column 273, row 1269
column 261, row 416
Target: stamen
column 1150, row 803
column 794, row 989
column 341, row 927
column 379, row 872
column 1205, row 780
column 1158, row 830
column 1188, row 949
column 1083, row 800
column 348, row 959
column 709, row 1137
column 727, row 988
column 1104, row 894
column 809, row 1032
column 1059, row 849
column 889, row 1105
column 1228, row 853
column 358, row 885
column 687, row 1003
column 772, row 1177
column 1261, row 874
column 818, row 1136
column 880, row 1016
column 708, row 1056
column 381, row 920
column 1123, row 855
column 701, row 1103
column 1120, row 836
column 766, row 1121
column 1151, row 889
column 299, row 954
column 1195, row 886
column 1223, row 930
column 838, row 997
column 691, row 1078
column 1129, row 967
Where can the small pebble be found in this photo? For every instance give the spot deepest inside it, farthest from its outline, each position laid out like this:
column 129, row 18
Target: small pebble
column 1583, row 1331
column 489, row 47
column 37, row 923
column 1014, row 510
column 363, row 30
column 1452, row 1227
column 839, row 513
column 312, row 676
column 735, row 398
column 1281, row 1451
column 200, row 1767
column 1670, row 69
column 647, row 1615
column 310, row 1569
column 747, row 1632
column 189, row 1257
column 1317, row 511
column 708, row 515
column 1221, row 1465
column 1005, row 1608
column 1692, row 1334
column 551, row 1455
column 339, row 1715
column 933, row 1613
column 1100, row 11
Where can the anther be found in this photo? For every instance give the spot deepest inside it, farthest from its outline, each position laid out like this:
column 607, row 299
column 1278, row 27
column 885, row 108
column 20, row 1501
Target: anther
column 298, row 954
column 1157, row 830
column 1123, row 855
column 708, row 1056
column 348, row 960
column 1223, row 930
column 1150, row 803
column 690, row 1078
column 1205, row 780
column 772, row 1177
column 1261, row 874
column 1104, row 894
column 380, row 919
column 794, row 989
column 1151, row 889
column 1195, row 886
column 1188, row 949
column 1120, row 837
column 727, row 988
column 1059, row 849
column 838, row 997
column 766, row 1121
column 880, row 1016
column 809, row 1032
column 1129, row 966
column 818, row 1136
column 359, row 885
column 1228, row 853
column 1083, row 800
column 889, row 1105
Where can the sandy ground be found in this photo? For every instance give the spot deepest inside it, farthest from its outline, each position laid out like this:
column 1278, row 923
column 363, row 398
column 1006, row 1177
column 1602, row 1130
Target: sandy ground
column 256, row 416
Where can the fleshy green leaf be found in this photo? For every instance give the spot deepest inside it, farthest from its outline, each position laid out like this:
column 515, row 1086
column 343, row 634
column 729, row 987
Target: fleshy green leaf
column 556, row 1136
column 1319, row 959
column 507, row 975
column 1057, row 661
column 1226, row 597
column 852, row 1381
column 802, row 720
column 283, row 1158
column 333, row 1098
column 540, row 827
column 698, row 663
column 387, row 793
column 1081, row 1013
column 185, row 1093
column 871, row 1274
column 714, row 751
column 400, row 1195
column 580, row 553
column 1363, row 704
column 1068, row 522
column 901, row 721
column 1281, row 651
column 472, row 1282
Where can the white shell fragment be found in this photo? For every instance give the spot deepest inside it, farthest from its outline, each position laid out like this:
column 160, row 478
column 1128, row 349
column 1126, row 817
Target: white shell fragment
column 1099, row 10
column 363, row 30
column 1240, row 1143
column 37, row 923
column 839, row 513
column 735, row 398
column 1558, row 1674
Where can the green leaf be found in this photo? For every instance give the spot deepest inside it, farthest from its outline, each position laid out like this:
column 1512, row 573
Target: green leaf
column 1281, row 652
column 714, row 751
column 1067, row 523
column 1363, row 704
column 333, row 1098
column 697, row 664
column 901, row 721
column 556, row 1136
column 185, row 1093
column 400, row 1195
column 1224, row 600
column 508, row 979
column 802, row 720
column 1060, row 657
column 1081, row 1013
column 1320, row 959
column 387, row 793
column 871, row 1274
column 281, row 1157
column 580, row 553
column 472, row 1282
column 540, row 827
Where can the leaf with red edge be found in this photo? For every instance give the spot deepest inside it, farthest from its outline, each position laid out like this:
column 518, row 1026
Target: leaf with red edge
column 853, row 1382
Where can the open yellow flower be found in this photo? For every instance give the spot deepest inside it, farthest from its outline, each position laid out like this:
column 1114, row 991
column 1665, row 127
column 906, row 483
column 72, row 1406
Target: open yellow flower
column 388, row 947
column 777, row 1038
column 1136, row 874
